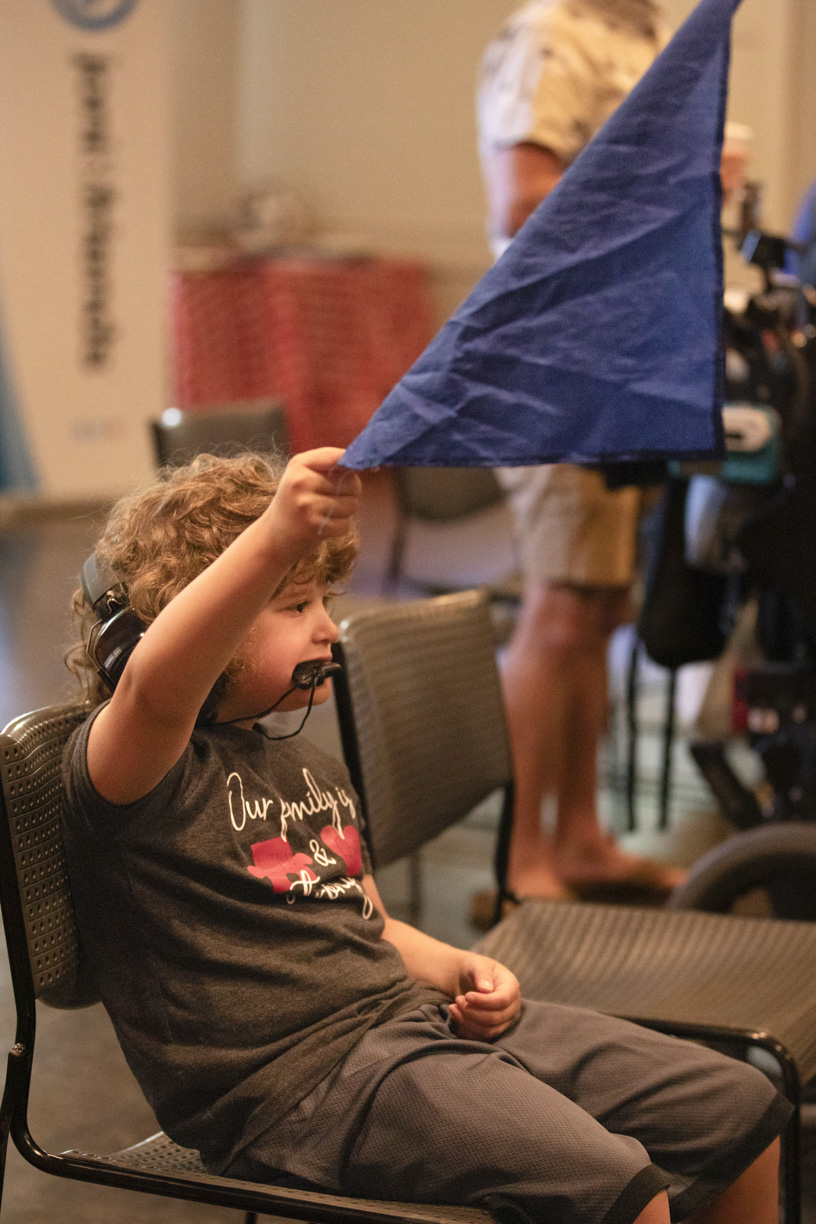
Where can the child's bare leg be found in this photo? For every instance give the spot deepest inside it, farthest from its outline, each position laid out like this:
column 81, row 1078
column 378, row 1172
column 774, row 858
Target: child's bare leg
column 656, row 1212
column 752, row 1199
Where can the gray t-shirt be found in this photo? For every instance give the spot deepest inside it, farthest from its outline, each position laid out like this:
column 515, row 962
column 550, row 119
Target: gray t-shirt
column 225, row 919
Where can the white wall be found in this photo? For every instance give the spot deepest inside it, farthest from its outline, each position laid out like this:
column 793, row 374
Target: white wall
column 203, row 133
column 773, row 89
column 773, row 55
column 371, row 111
column 367, row 108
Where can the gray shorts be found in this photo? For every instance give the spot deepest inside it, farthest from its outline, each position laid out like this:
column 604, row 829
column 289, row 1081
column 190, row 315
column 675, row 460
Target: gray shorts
column 571, row 1116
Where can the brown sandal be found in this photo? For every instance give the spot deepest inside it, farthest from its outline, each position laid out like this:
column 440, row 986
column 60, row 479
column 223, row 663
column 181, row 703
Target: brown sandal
column 647, row 882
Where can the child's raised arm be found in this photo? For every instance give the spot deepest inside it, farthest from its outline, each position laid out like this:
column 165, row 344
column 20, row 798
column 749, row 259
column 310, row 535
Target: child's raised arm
column 140, row 735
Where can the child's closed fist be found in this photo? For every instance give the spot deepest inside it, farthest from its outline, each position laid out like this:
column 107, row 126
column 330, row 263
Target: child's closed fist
column 315, row 499
column 489, row 1001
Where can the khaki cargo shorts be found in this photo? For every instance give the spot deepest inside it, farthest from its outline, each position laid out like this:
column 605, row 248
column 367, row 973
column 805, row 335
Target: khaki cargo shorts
column 570, row 528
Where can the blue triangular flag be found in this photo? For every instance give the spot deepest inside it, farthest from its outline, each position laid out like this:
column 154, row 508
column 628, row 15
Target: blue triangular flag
column 597, row 335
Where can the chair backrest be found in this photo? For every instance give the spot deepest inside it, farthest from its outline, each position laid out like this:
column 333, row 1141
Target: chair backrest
column 38, row 914
column 440, row 494
column 222, row 429
column 443, row 516
column 422, row 718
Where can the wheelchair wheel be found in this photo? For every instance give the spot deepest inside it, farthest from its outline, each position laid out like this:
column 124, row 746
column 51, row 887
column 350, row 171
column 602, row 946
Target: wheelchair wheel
column 770, row 870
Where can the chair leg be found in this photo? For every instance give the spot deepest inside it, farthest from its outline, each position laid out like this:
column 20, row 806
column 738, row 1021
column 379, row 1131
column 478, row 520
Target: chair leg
column 633, row 732
column 501, row 857
column 668, row 745
column 15, row 1096
column 393, row 574
column 4, row 1138
column 791, row 1171
column 251, row 1217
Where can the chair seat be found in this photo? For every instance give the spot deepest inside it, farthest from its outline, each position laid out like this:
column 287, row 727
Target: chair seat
column 159, row 1154
column 682, row 967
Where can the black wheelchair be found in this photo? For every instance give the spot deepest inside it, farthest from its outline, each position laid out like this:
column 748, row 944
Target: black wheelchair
column 740, row 530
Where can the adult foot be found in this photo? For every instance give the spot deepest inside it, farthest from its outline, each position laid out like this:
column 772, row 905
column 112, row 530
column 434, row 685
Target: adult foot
column 544, row 884
column 532, row 871
column 605, row 865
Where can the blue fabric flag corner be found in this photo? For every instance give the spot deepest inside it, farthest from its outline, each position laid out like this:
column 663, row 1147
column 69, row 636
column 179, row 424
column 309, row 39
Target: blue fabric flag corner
column 597, row 335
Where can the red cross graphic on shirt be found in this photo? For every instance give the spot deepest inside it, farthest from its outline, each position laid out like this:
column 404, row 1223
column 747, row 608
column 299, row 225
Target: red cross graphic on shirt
column 275, row 861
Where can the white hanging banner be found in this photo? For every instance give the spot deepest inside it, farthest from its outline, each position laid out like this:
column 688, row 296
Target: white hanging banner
column 84, row 235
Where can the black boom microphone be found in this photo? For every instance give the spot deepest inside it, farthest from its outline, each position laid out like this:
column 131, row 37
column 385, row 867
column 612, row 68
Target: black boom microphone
column 314, row 672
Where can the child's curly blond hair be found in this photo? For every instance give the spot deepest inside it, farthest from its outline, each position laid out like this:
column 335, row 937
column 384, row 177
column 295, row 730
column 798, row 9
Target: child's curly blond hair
column 159, row 538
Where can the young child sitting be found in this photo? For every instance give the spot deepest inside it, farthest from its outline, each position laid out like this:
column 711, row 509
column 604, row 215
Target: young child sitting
column 277, row 1019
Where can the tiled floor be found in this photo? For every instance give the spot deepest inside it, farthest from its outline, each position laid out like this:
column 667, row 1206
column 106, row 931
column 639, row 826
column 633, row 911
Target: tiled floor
column 85, row 1095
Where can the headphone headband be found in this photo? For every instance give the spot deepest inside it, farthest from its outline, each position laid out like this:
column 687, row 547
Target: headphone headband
column 114, row 636
column 102, row 587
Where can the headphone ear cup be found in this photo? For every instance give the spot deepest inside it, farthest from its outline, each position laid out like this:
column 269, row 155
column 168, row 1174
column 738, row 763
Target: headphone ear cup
column 112, row 642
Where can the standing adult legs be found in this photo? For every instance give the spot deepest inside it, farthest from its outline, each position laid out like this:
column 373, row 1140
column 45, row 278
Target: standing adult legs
column 555, row 686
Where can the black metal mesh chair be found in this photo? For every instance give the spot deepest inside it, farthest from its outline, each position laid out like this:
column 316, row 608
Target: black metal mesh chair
column 439, row 502
column 222, row 429
column 47, row 965
column 422, row 723
column 416, row 774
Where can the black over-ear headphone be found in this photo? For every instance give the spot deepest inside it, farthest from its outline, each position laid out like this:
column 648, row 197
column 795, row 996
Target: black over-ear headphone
column 114, row 636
